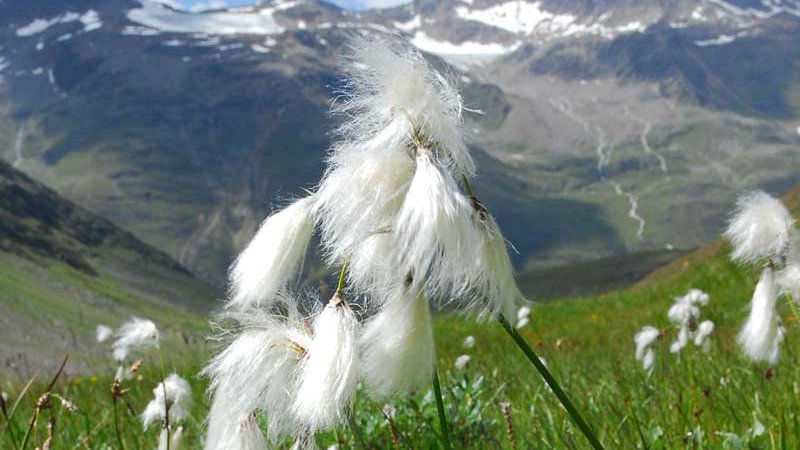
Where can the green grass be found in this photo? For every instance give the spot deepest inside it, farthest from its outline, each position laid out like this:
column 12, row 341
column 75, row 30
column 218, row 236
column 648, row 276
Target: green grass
column 694, row 400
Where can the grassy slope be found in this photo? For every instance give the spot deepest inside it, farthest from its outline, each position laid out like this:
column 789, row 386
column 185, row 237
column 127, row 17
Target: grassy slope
column 64, row 270
column 693, row 400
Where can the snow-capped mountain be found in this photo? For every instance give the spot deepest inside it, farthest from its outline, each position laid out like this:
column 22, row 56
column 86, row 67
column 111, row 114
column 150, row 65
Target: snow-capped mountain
column 604, row 126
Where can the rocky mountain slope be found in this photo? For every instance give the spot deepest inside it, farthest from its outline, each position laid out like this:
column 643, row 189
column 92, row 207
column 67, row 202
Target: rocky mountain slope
column 605, row 127
column 64, row 270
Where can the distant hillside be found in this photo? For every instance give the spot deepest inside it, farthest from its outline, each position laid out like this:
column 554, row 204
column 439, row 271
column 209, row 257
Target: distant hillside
column 714, row 254
column 63, row 270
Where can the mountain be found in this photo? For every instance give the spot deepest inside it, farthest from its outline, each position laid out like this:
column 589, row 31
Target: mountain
column 604, row 127
column 63, row 270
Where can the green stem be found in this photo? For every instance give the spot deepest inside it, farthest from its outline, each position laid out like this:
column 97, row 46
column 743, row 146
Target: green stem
column 562, row 397
column 31, row 425
column 164, row 387
column 116, row 426
column 467, row 186
column 8, row 424
column 356, row 431
column 437, row 391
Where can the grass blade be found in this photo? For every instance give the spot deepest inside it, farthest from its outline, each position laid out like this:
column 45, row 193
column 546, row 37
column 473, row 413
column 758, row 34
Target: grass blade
column 551, row 381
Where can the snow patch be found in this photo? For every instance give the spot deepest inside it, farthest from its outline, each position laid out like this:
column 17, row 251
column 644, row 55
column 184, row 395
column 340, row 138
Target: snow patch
column 411, row 25
column 522, row 17
column 722, row 39
column 156, row 16
column 139, row 31
column 431, row 45
column 90, row 20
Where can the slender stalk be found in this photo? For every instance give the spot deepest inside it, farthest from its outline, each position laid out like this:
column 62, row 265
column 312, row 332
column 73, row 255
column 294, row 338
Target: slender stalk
column 164, row 387
column 551, row 381
column 116, row 426
column 437, row 391
column 42, row 403
column 356, row 431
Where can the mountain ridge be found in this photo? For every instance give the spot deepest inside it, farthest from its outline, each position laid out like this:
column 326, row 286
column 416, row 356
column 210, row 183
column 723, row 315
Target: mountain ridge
column 184, row 127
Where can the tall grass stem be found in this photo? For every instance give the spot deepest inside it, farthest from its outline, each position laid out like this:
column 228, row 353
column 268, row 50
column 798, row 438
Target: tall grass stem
column 551, row 381
column 437, row 392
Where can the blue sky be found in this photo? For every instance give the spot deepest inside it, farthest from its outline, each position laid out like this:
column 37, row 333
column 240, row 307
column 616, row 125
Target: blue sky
column 350, row 4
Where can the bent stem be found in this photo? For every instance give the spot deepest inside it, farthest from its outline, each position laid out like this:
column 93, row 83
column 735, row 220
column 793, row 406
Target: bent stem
column 548, row 377
column 437, row 392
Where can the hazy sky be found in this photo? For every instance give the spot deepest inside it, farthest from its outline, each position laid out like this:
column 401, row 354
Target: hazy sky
column 351, row 4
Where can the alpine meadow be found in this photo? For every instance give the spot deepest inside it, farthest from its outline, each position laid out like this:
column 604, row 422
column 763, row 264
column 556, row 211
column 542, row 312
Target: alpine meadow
column 483, row 224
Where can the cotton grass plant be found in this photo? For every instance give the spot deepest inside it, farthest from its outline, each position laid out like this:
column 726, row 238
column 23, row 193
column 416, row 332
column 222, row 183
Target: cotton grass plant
column 406, row 237
column 763, row 234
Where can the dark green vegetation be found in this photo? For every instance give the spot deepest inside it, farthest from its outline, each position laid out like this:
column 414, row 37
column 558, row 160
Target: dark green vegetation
column 694, row 400
column 64, row 270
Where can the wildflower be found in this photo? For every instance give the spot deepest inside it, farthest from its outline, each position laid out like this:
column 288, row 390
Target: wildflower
column 256, row 372
column 762, row 334
column 684, row 314
column 469, row 342
column 274, row 256
column 644, row 340
column 462, row 361
column 4, row 396
column 103, row 333
column 135, row 334
column 398, row 345
column 701, row 336
column 171, row 403
column 759, row 229
column 329, row 372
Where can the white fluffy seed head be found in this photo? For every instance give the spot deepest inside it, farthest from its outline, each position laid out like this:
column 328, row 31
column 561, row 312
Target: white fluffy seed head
column 398, row 346
column 273, row 258
column 244, row 433
column 175, row 439
column 789, row 280
column 388, row 79
column 788, row 277
column 329, row 372
column 469, row 342
column 496, row 289
column 759, row 229
column 136, row 334
column 696, row 297
column 762, row 334
column 256, row 372
column 437, row 242
column 644, row 339
column 174, row 395
column 682, row 312
column 358, row 198
column 103, row 332
column 461, row 362
column 681, row 340
column 701, row 336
